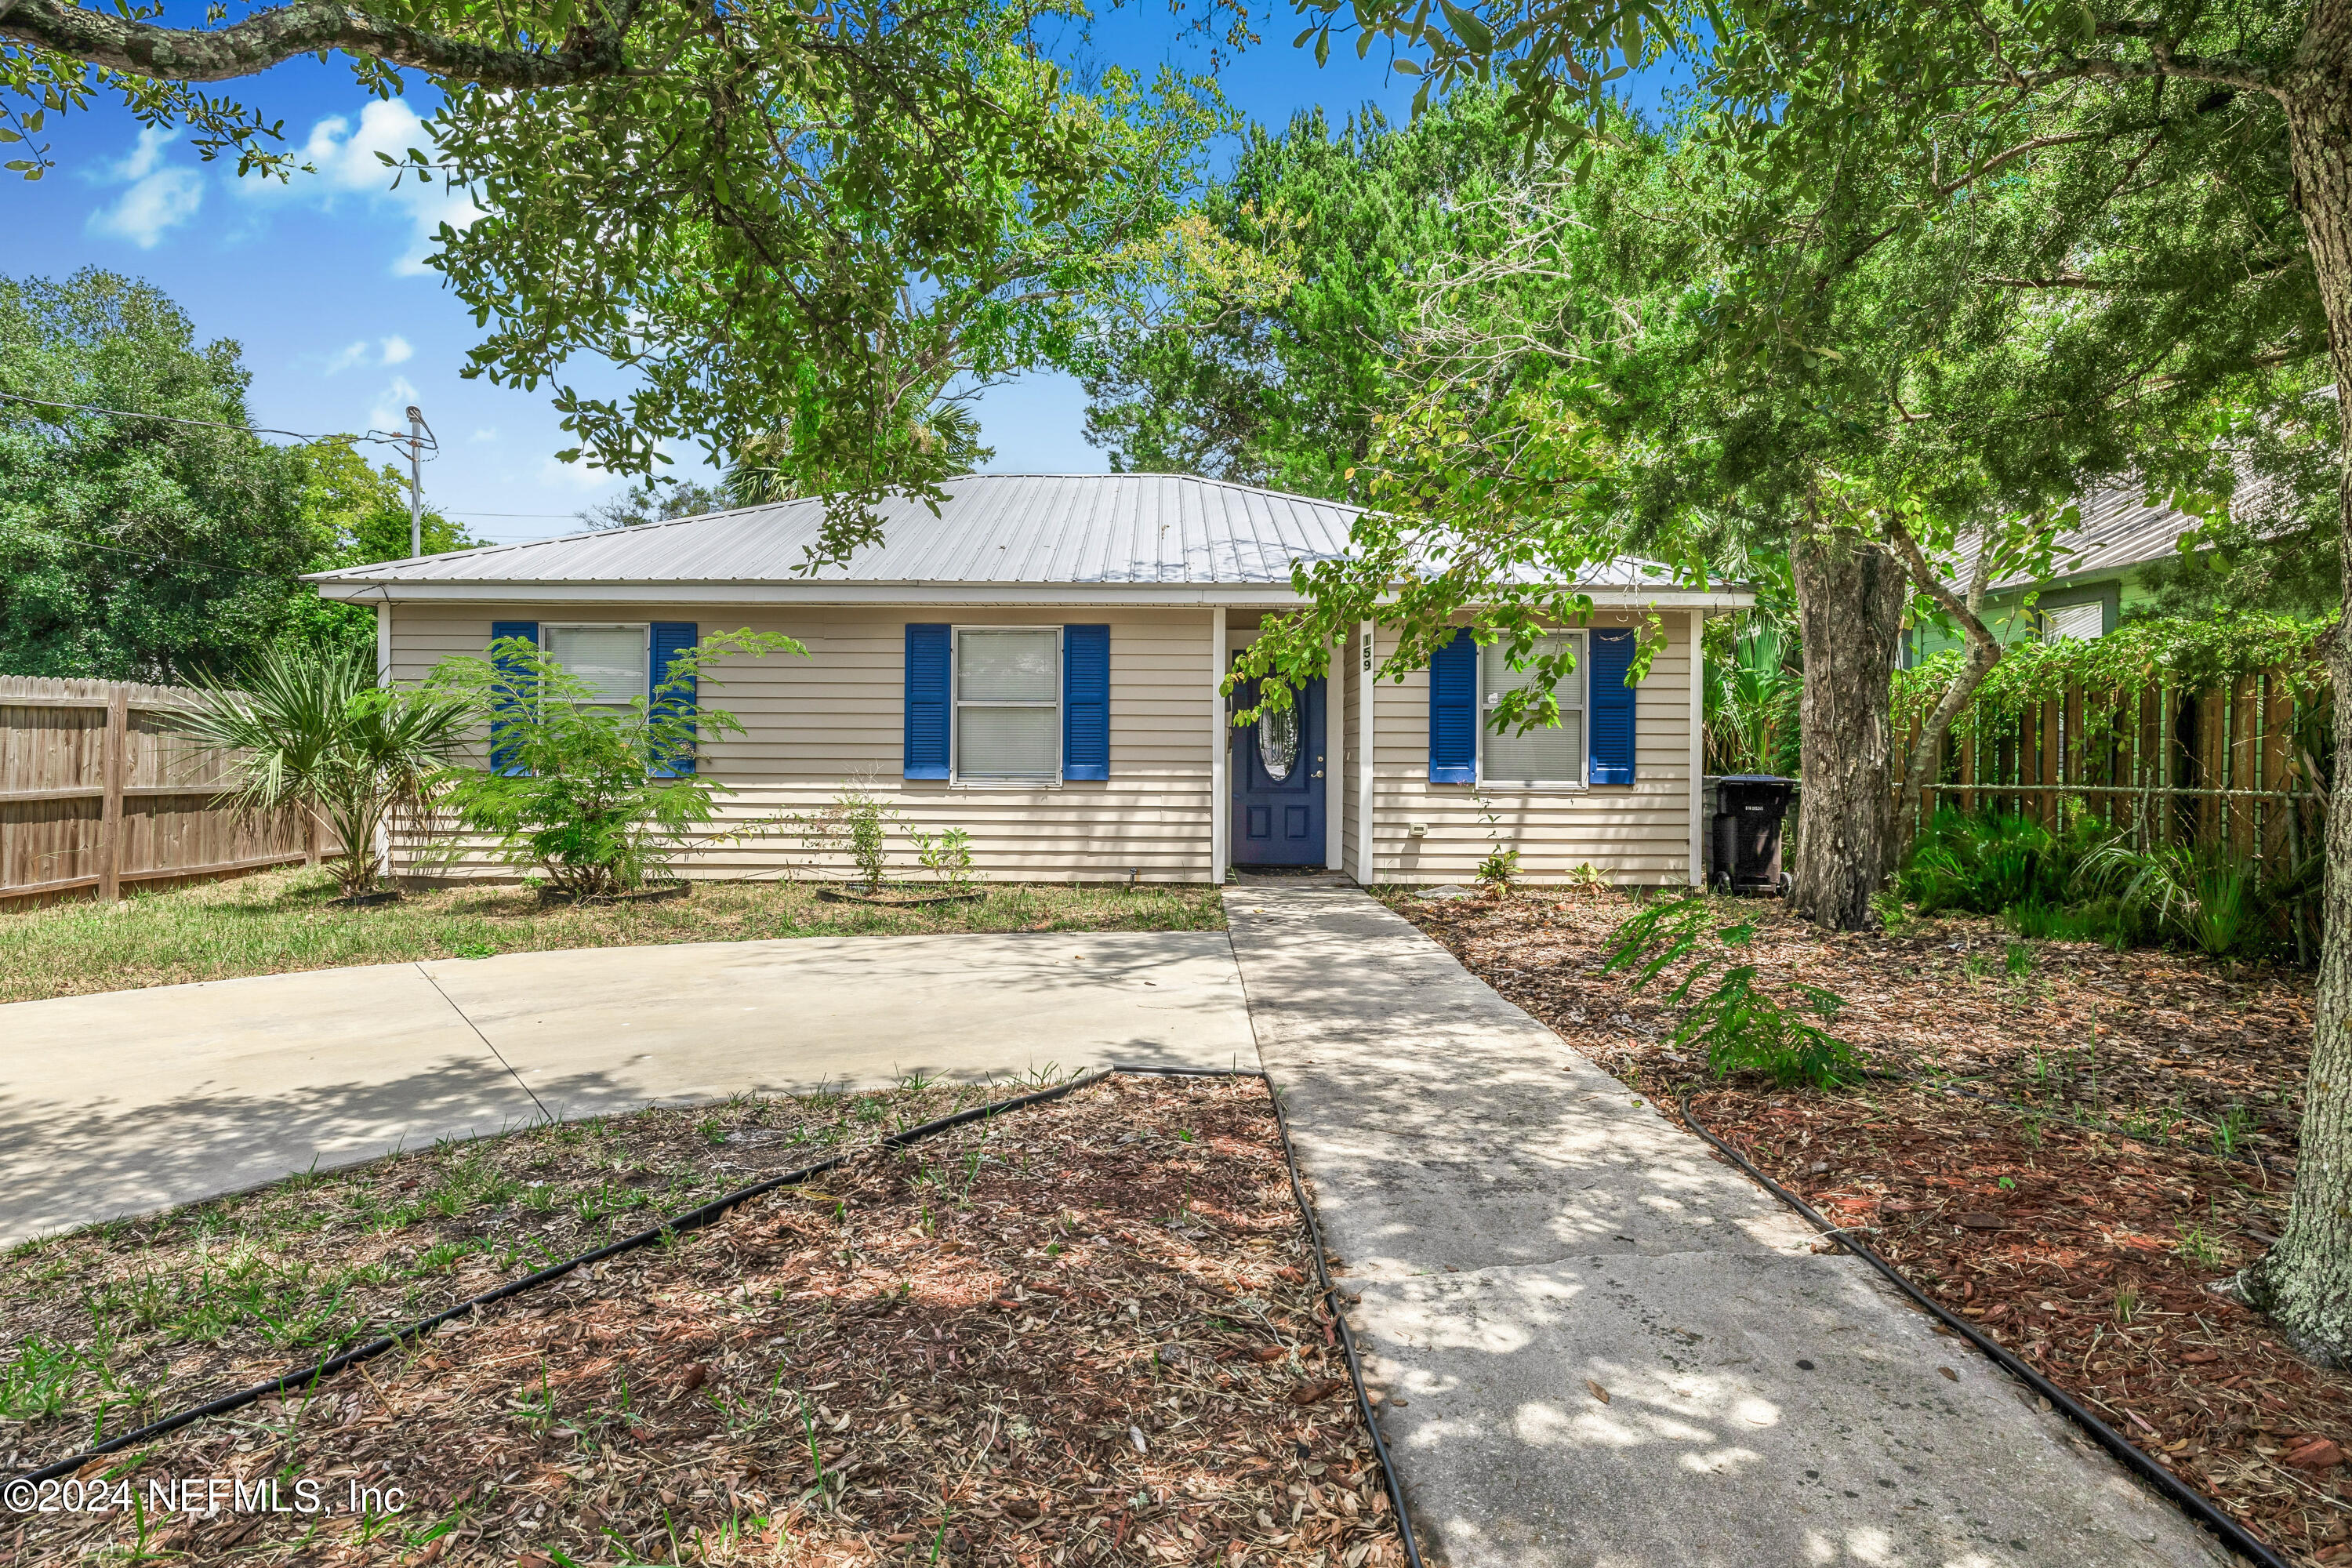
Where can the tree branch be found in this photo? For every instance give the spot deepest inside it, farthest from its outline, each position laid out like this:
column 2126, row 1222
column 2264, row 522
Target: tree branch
column 303, row 27
column 1984, row 652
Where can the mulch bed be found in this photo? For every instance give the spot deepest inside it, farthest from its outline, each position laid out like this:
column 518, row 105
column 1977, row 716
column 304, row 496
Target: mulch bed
column 2073, row 1200
column 1079, row 1332
column 128, row 1321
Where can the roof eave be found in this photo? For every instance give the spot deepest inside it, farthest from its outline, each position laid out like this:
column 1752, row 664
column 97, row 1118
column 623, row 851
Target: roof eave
column 353, row 590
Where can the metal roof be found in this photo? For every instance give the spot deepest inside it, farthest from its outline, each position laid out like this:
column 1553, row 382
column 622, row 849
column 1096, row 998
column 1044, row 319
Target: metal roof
column 1011, row 530
column 2115, row 528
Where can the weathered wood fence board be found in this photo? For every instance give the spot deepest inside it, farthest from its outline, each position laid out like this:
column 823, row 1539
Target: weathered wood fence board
column 95, row 794
column 2226, row 766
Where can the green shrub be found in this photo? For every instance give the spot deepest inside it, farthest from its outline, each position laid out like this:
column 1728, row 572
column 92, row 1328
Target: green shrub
column 1986, row 863
column 1741, row 1025
column 2208, row 898
column 593, row 796
column 1500, row 871
column 946, row 855
column 857, row 823
column 2103, row 920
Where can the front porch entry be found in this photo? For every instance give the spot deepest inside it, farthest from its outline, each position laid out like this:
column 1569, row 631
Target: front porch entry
column 1279, row 794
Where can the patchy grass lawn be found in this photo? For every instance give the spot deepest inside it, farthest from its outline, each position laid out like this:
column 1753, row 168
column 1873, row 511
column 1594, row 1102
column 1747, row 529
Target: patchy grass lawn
column 118, row 1324
column 284, row 921
column 2091, row 1141
column 1082, row 1332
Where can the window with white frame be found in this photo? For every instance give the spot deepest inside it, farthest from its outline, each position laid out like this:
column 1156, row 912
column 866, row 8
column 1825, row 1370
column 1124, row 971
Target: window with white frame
column 1547, row 754
column 1008, row 705
column 610, row 661
column 2080, row 621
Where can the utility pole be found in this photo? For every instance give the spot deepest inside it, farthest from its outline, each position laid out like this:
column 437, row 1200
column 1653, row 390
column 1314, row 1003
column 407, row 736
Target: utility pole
column 415, row 482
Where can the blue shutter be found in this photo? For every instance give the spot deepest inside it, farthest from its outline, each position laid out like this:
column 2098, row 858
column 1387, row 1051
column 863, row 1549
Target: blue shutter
column 928, row 653
column 669, row 639
column 1613, row 708
column 1085, row 702
column 510, row 690
column 1454, row 711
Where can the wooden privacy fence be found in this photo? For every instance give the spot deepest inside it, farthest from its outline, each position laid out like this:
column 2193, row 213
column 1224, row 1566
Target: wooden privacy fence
column 95, row 794
column 2231, row 764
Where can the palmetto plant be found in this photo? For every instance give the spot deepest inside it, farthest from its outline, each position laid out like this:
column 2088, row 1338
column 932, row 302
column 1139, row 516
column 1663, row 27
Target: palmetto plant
column 2213, row 899
column 1751, row 717
column 310, row 730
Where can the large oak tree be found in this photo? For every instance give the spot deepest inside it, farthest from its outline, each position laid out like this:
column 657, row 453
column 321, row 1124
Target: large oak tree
column 1953, row 97
column 807, row 228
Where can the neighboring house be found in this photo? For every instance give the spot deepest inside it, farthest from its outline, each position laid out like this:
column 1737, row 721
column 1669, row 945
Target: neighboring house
column 2101, row 563
column 1038, row 665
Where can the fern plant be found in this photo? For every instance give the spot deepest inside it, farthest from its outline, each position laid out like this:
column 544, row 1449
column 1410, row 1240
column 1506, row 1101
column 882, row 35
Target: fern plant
column 1742, row 1025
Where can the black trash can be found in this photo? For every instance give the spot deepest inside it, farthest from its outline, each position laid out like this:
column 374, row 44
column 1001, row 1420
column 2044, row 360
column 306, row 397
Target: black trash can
column 1745, row 833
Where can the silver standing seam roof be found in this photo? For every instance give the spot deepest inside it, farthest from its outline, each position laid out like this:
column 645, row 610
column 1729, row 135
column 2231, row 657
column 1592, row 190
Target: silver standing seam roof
column 2115, row 528
column 1034, row 531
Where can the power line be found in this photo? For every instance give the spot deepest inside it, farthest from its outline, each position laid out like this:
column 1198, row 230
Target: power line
column 150, row 555
column 379, row 437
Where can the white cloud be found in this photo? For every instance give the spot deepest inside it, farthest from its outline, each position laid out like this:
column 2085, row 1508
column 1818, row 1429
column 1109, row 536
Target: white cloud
column 343, row 158
column 486, row 433
column 390, row 410
column 161, row 197
column 147, row 155
column 391, row 350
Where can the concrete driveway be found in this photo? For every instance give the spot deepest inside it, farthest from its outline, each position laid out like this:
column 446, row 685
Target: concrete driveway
column 133, row 1100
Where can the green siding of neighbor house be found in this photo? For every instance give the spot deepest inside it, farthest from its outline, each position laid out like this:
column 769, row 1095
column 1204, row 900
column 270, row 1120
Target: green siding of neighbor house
column 2012, row 621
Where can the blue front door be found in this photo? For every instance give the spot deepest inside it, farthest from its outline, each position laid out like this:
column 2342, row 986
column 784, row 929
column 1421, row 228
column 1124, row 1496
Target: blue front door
column 1278, row 768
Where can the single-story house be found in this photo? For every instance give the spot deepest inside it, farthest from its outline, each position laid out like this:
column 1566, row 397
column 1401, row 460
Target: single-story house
column 1038, row 665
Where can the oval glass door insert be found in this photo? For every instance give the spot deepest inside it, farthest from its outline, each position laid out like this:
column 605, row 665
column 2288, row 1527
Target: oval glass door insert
column 1277, row 741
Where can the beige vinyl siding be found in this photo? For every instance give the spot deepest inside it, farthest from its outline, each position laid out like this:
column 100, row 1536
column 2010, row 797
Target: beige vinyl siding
column 837, row 717
column 1637, row 834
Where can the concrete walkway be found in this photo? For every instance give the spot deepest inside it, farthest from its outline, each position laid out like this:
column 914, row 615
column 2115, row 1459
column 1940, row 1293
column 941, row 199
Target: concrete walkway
column 131, row 1100
column 1526, row 1235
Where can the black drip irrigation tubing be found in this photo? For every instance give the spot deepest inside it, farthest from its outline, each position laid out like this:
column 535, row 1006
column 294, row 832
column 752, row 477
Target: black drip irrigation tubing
column 691, row 1219
column 2188, row 1500
column 709, row 1213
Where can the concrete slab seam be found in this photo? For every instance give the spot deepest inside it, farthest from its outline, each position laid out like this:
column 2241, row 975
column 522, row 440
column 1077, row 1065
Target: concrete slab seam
column 486, row 1042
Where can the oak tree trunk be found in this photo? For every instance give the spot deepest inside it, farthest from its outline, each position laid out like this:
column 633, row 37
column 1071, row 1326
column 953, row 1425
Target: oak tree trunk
column 1850, row 597
column 2305, row 1281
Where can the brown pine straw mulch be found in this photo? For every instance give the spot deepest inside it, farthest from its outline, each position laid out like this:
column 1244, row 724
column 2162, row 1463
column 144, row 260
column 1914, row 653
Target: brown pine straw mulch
column 2082, row 1232
column 1077, row 1332
column 119, row 1324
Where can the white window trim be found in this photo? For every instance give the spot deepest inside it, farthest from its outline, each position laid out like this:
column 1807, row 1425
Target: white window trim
column 645, row 631
column 1584, row 759
column 955, row 711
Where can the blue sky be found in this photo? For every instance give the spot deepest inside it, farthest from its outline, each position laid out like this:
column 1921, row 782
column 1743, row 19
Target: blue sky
column 322, row 280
